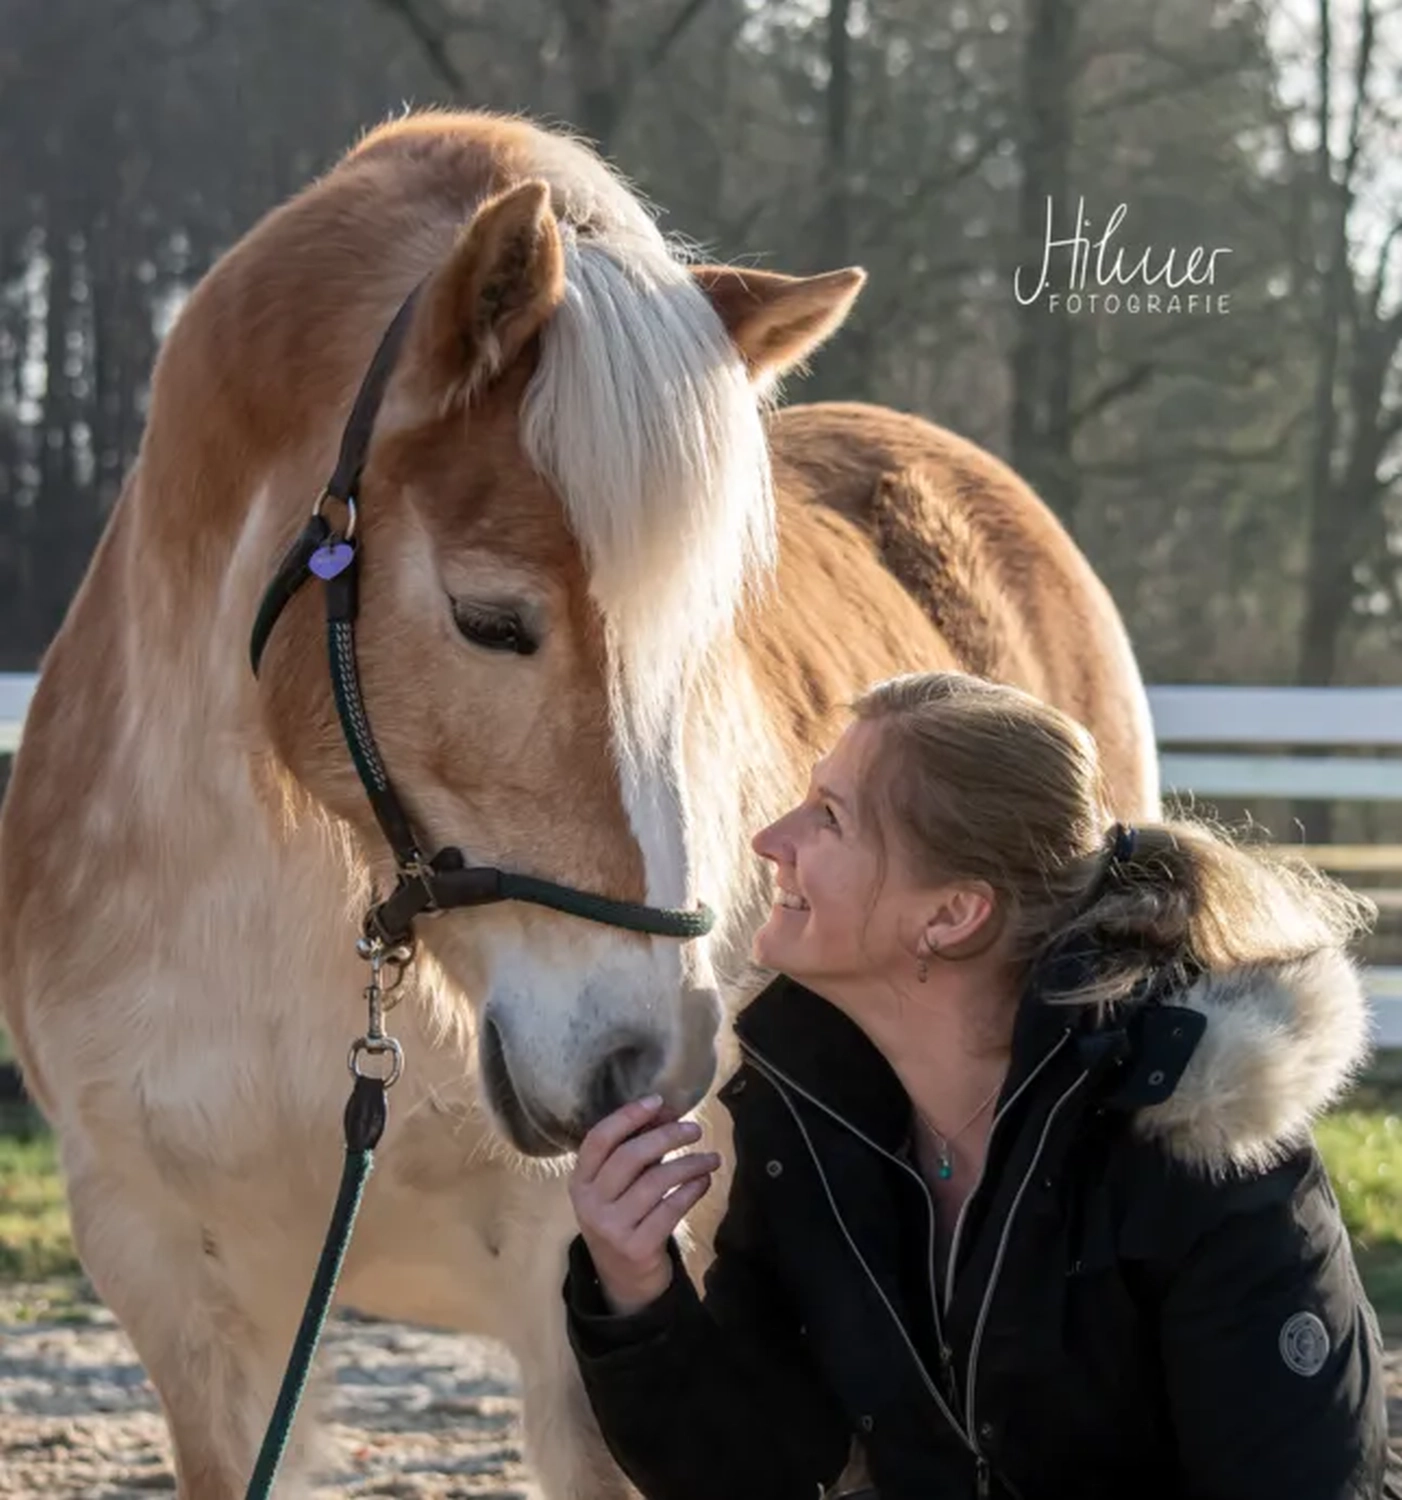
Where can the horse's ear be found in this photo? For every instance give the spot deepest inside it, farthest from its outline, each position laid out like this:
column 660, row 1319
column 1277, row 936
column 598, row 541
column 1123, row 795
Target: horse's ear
column 775, row 320
column 498, row 286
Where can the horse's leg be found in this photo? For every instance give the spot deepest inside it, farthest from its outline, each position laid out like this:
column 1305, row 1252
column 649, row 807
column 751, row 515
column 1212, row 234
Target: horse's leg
column 566, row 1455
column 214, row 1354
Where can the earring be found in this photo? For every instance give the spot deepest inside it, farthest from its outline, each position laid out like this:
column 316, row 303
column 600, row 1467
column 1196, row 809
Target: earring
column 922, row 971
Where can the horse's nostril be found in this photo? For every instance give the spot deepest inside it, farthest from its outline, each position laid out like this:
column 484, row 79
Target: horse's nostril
column 626, row 1073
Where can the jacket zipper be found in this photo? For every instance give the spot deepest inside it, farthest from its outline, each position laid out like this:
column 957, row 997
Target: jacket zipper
column 970, row 1393
column 777, row 1078
column 978, row 1183
column 781, row 1082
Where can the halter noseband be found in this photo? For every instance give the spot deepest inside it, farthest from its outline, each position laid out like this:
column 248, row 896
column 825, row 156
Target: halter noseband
column 446, row 880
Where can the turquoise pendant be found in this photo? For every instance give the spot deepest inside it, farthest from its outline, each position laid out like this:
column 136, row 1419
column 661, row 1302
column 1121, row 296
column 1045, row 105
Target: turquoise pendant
column 945, row 1169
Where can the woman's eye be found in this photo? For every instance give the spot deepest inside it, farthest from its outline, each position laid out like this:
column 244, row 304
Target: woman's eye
column 494, row 631
column 829, row 816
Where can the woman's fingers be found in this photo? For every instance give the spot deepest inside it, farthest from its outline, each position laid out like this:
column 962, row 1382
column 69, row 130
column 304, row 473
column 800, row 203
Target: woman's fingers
column 611, row 1132
column 635, row 1155
column 628, row 1199
column 661, row 1223
column 649, row 1190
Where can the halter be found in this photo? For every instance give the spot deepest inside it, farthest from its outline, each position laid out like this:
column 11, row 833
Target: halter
column 447, row 880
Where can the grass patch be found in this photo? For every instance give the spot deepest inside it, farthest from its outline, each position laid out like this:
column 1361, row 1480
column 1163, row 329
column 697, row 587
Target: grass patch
column 1363, row 1150
column 1362, row 1146
column 35, row 1243
column 65, row 1299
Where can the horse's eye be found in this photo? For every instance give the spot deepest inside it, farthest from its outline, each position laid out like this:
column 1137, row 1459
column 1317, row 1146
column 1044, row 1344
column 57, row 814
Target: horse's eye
column 495, row 630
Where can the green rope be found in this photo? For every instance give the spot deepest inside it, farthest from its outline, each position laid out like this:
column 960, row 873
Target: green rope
column 661, row 921
column 365, row 1116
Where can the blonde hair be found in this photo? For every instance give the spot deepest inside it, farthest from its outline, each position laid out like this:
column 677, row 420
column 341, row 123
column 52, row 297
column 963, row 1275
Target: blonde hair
column 979, row 781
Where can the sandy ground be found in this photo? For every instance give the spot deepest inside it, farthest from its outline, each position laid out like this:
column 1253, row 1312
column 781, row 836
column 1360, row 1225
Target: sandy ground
column 413, row 1414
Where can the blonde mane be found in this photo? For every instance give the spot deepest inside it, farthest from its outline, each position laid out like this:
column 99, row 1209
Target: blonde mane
column 642, row 416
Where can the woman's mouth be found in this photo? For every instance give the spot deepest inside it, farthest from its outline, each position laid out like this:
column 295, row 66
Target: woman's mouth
column 790, row 900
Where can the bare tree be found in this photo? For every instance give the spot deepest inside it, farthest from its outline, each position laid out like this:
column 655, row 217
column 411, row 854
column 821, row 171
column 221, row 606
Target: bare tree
column 610, row 52
column 1040, row 421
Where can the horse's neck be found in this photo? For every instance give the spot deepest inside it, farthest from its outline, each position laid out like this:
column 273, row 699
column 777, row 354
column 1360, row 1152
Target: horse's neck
column 179, row 815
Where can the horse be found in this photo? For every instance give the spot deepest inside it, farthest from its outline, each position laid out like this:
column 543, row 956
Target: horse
column 612, row 599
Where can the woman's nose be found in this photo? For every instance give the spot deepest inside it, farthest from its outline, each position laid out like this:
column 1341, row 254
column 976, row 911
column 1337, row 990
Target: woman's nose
column 772, row 841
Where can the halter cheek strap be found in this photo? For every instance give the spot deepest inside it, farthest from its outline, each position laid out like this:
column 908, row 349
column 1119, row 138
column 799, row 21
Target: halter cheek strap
column 446, row 880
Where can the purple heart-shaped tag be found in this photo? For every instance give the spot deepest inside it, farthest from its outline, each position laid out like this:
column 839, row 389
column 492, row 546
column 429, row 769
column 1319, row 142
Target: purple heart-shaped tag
column 331, row 558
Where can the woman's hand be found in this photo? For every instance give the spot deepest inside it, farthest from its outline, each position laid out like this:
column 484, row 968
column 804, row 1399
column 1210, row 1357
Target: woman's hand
column 628, row 1200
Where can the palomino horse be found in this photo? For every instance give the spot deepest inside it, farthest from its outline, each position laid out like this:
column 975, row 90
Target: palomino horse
column 609, row 612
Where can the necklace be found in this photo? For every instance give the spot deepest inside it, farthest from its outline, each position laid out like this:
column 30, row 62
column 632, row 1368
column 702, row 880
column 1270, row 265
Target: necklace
column 944, row 1168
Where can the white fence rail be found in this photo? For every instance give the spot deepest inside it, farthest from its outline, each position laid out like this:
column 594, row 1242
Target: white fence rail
column 1216, row 717
column 16, row 689
column 1262, row 717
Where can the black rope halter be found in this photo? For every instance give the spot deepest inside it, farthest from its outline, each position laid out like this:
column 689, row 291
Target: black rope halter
column 446, row 880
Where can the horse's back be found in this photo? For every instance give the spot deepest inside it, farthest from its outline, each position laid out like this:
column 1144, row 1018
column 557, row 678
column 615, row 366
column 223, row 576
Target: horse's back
column 1006, row 587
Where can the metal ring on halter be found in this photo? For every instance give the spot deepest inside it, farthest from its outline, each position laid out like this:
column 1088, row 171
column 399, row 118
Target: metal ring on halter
column 377, row 1046
column 380, row 957
column 349, row 504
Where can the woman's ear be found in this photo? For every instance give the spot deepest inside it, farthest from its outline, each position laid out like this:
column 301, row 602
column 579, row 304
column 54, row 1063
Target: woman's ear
column 965, row 921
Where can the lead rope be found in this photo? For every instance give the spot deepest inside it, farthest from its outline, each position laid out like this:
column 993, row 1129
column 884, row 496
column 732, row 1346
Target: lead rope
column 424, row 886
column 364, row 1123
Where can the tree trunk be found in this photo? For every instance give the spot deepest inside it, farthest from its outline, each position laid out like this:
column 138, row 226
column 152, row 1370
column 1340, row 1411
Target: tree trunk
column 598, row 79
column 837, row 165
column 1328, row 575
column 1042, row 363
column 57, row 537
column 843, row 372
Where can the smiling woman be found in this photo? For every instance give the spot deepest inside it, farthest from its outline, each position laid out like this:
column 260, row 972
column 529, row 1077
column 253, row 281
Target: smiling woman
column 1024, row 1198
column 826, row 872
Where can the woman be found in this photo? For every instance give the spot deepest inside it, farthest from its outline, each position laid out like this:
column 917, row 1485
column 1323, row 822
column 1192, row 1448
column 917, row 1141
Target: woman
column 1024, row 1194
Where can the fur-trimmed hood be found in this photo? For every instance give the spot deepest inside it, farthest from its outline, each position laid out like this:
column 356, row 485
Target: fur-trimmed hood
column 1282, row 1042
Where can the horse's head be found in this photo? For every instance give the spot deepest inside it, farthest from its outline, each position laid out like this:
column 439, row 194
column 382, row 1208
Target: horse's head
column 566, row 496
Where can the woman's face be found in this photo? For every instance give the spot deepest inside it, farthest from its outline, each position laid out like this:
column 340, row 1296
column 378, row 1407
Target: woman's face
column 835, row 918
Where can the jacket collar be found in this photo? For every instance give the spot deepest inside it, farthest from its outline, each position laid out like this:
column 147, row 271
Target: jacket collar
column 1225, row 1070
column 809, row 1041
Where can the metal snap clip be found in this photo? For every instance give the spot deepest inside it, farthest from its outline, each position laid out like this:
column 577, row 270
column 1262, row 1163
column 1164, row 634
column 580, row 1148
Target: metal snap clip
column 377, row 1047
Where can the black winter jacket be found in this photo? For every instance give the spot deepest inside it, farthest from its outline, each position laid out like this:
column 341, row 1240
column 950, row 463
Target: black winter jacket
column 1151, row 1295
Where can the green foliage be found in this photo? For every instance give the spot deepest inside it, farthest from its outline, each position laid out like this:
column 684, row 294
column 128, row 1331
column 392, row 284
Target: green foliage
column 1362, row 1148
column 1363, row 1151
column 34, row 1236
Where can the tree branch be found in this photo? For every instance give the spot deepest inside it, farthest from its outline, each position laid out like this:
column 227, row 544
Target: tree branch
column 1187, row 457
column 1166, row 88
column 672, row 33
column 1362, row 71
column 1379, row 286
column 433, row 43
column 1132, row 380
column 897, row 211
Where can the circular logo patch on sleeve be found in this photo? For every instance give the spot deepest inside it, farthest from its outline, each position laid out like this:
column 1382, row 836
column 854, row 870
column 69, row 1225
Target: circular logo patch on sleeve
column 1304, row 1343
